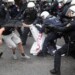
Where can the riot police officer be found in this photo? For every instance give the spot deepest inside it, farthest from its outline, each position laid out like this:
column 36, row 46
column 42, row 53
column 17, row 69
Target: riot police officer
column 13, row 9
column 51, row 36
column 68, row 47
column 62, row 11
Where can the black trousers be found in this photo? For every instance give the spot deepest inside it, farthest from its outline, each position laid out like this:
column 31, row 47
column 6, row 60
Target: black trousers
column 57, row 58
column 49, row 40
column 24, row 34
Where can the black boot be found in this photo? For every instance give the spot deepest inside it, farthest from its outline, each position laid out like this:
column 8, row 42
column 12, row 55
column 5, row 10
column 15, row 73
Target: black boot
column 1, row 54
column 42, row 54
column 53, row 71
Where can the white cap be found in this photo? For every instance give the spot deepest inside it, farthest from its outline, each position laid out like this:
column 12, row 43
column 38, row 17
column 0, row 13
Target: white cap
column 45, row 14
column 30, row 5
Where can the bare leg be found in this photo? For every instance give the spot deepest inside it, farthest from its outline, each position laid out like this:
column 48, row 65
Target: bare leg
column 21, row 48
column 13, row 50
column 22, row 51
column 14, row 55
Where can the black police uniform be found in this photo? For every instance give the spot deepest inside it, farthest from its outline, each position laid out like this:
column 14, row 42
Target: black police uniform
column 68, row 47
column 51, row 35
column 62, row 11
column 13, row 11
column 54, row 8
column 64, row 19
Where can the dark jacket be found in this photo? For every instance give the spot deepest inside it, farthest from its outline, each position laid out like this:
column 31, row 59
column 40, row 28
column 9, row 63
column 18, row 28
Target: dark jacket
column 54, row 8
column 50, row 20
column 2, row 12
column 70, row 30
column 30, row 15
column 4, row 17
column 62, row 13
column 13, row 11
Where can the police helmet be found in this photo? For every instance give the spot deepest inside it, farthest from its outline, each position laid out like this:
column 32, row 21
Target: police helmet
column 72, row 2
column 31, row 5
column 71, row 11
column 72, row 8
column 66, row 1
column 45, row 14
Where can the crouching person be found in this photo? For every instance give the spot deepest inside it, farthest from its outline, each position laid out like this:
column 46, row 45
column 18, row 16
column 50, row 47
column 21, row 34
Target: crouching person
column 13, row 42
column 68, row 47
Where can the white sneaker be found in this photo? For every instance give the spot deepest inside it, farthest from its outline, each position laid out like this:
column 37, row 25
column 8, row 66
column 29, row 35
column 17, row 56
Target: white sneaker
column 14, row 56
column 25, row 57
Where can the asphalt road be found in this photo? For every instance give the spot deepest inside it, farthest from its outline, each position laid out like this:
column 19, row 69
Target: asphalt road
column 34, row 66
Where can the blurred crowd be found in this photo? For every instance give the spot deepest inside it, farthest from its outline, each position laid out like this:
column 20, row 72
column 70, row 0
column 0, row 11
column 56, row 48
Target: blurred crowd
column 54, row 19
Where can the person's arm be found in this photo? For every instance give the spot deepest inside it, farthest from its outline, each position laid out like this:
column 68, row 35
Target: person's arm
column 1, row 31
column 25, row 25
column 67, row 28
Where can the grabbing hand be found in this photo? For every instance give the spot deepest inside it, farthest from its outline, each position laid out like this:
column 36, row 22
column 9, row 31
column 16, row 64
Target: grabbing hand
column 68, row 25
